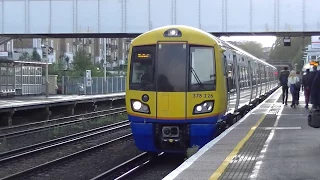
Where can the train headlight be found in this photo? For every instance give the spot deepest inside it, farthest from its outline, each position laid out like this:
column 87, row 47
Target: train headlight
column 138, row 106
column 199, row 108
column 172, row 33
column 204, row 107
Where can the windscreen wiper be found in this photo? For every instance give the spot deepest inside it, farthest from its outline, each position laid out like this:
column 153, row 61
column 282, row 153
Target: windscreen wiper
column 196, row 77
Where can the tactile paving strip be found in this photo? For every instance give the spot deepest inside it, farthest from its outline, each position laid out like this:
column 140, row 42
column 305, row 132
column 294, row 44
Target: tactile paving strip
column 243, row 163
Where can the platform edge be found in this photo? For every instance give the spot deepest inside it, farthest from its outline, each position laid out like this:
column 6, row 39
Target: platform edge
column 205, row 148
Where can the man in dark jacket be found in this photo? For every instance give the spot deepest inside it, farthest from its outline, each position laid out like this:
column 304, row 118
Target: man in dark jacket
column 306, row 88
column 299, row 87
column 283, row 78
column 315, row 91
column 311, row 77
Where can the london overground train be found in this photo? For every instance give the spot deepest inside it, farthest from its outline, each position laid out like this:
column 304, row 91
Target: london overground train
column 184, row 86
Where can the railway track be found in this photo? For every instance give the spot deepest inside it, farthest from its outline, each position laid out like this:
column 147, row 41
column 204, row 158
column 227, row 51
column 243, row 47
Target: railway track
column 36, row 126
column 143, row 166
column 126, row 169
column 27, row 137
column 47, row 154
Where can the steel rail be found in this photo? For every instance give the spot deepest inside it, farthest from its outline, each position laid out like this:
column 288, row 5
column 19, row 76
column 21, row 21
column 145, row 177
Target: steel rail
column 30, row 171
column 26, row 131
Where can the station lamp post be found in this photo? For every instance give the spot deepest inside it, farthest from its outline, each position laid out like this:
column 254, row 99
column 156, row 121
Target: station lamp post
column 46, row 46
column 105, row 59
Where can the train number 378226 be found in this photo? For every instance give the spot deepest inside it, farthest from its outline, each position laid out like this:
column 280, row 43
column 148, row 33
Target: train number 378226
column 202, row 96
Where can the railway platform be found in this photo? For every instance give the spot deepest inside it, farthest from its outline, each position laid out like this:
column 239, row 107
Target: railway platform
column 25, row 102
column 9, row 106
column 273, row 141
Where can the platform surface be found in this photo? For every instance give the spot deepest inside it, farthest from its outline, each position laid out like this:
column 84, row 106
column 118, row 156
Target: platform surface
column 19, row 101
column 272, row 142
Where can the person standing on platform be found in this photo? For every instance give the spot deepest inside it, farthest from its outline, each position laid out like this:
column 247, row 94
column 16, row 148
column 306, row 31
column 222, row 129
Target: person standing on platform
column 315, row 91
column 292, row 83
column 298, row 86
column 283, row 78
column 311, row 78
column 306, row 88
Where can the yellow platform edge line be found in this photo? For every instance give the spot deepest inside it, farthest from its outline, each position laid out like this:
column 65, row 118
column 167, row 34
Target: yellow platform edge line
column 235, row 151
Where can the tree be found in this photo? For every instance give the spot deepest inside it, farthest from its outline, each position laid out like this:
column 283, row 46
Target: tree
column 252, row 47
column 35, row 55
column 82, row 62
column 24, row 56
column 293, row 53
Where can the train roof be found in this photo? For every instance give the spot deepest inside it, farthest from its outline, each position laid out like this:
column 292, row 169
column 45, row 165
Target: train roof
column 181, row 27
column 218, row 40
column 246, row 53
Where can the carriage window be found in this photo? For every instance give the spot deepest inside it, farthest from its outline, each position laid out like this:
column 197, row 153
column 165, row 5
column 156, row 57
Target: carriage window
column 202, row 69
column 142, row 68
column 245, row 76
column 231, row 78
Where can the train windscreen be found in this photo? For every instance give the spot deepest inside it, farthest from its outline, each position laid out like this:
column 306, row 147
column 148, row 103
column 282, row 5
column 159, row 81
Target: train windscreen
column 202, row 69
column 142, row 68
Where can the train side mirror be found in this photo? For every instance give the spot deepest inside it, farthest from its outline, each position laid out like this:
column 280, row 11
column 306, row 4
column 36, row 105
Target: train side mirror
column 222, row 50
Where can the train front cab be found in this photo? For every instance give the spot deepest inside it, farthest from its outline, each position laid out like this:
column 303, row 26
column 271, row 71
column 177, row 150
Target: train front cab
column 179, row 105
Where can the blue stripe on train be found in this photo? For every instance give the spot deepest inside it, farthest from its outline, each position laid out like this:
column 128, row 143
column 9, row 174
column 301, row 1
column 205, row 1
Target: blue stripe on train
column 202, row 131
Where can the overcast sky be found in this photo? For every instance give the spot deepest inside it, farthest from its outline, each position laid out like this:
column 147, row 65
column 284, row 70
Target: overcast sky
column 266, row 41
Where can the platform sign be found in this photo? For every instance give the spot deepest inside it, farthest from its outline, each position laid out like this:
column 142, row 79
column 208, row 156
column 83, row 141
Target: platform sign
column 287, row 41
column 315, row 42
column 88, row 78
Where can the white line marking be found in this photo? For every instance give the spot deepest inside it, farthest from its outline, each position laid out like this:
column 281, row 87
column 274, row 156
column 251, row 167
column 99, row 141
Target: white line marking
column 282, row 128
column 259, row 162
column 294, row 114
column 205, row 148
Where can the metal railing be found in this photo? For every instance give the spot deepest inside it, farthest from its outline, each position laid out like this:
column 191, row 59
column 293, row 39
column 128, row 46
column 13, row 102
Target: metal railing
column 98, row 85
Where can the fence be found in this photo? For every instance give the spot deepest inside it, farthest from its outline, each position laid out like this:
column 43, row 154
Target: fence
column 98, row 86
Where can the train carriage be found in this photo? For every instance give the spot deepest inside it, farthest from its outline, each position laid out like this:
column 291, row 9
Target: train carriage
column 184, row 85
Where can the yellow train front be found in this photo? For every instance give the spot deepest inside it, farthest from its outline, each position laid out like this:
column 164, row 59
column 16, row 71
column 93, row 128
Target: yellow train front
column 175, row 89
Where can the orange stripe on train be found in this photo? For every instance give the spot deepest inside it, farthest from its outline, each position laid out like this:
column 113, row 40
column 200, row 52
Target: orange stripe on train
column 175, row 118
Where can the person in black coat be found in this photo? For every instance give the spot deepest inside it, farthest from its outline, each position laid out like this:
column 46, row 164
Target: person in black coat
column 310, row 80
column 306, row 88
column 283, row 80
column 315, row 91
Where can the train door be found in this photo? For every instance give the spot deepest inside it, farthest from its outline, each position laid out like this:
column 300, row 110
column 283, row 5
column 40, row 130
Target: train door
column 265, row 76
column 250, row 79
column 269, row 78
column 231, row 85
column 171, row 80
column 236, row 79
column 256, row 77
column 260, row 78
column 226, row 76
column 246, row 76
